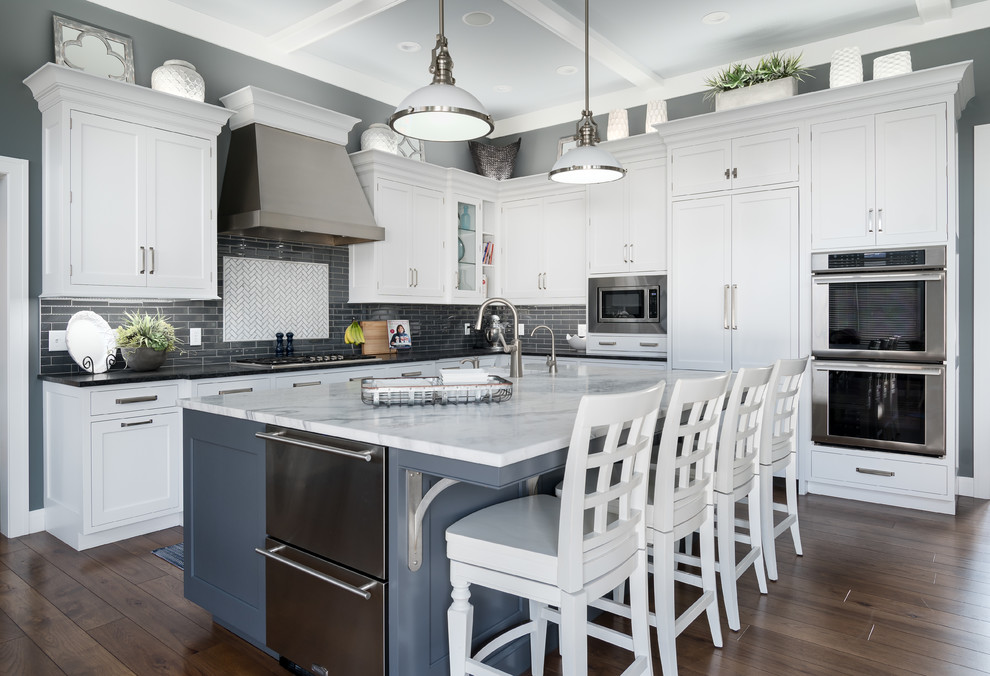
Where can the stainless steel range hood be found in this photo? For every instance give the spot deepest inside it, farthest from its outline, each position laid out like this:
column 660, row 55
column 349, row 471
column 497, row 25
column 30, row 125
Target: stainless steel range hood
column 282, row 182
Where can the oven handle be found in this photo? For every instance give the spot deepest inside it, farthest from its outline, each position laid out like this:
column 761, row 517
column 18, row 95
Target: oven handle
column 282, row 438
column 935, row 276
column 866, row 367
column 361, row 591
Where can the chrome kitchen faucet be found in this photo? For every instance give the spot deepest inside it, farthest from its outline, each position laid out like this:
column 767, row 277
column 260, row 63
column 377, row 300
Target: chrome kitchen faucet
column 515, row 348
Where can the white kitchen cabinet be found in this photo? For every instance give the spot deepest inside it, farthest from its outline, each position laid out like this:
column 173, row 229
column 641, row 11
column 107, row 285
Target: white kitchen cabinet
column 472, row 217
column 113, row 461
column 627, row 221
column 880, row 180
column 129, row 189
column 544, row 249
column 734, row 281
column 731, row 164
column 411, row 256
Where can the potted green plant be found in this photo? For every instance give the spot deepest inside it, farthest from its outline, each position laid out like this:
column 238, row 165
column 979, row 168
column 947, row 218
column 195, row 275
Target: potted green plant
column 145, row 339
column 773, row 77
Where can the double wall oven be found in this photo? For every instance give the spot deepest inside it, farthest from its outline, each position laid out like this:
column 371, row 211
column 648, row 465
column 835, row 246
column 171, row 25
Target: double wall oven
column 878, row 340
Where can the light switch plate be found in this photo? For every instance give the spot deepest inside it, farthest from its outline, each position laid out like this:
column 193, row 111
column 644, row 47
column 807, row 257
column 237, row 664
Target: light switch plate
column 582, row 330
column 522, row 329
column 195, row 336
column 467, row 328
column 56, row 341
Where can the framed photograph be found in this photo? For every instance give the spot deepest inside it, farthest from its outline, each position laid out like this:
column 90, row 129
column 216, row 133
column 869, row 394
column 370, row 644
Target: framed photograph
column 93, row 50
column 399, row 337
column 566, row 143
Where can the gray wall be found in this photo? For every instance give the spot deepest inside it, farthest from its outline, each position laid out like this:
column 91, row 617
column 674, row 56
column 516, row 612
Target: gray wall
column 26, row 43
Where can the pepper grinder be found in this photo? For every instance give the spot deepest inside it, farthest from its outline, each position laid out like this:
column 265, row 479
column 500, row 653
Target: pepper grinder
column 279, row 349
column 288, row 344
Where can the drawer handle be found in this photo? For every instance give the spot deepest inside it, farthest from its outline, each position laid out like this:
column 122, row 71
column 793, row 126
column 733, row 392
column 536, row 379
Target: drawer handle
column 649, row 344
column 359, row 378
column 409, row 374
column 138, row 400
column 282, row 437
column 360, row 591
column 606, row 342
column 875, row 472
column 135, row 424
column 237, row 391
column 309, row 384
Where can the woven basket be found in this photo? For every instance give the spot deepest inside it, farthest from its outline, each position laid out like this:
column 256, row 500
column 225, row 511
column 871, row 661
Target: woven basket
column 494, row 161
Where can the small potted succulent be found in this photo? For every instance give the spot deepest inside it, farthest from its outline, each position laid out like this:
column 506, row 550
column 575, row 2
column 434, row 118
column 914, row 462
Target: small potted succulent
column 145, row 339
column 773, row 77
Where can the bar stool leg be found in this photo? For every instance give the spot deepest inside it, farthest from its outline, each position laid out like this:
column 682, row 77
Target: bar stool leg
column 707, row 532
column 663, row 602
column 790, row 473
column 537, row 637
column 574, row 632
column 460, row 621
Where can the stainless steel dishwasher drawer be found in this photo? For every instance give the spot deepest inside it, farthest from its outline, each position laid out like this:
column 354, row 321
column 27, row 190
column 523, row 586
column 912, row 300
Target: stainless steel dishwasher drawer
column 323, row 627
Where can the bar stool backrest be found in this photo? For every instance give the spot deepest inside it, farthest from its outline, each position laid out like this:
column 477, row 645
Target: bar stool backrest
column 779, row 434
column 739, row 442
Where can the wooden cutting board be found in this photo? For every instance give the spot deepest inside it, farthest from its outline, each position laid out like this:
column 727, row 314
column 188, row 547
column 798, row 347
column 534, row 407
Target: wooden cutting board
column 375, row 337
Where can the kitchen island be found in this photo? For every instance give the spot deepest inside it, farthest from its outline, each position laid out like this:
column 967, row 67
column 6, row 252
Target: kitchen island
column 470, row 455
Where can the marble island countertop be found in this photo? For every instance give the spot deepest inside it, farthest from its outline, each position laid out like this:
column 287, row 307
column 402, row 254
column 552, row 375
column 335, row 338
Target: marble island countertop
column 536, row 420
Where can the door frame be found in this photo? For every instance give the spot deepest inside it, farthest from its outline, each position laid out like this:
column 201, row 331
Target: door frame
column 981, row 315
column 14, row 342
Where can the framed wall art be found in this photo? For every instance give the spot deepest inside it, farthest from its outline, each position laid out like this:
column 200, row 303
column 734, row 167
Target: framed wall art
column 93, row 50
column 565, row 143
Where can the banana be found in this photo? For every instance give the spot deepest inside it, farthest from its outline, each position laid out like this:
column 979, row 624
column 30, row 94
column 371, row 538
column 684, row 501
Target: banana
column 354, row 335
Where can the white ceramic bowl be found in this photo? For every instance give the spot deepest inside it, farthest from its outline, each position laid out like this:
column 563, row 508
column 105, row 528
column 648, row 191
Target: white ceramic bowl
column 577, row 342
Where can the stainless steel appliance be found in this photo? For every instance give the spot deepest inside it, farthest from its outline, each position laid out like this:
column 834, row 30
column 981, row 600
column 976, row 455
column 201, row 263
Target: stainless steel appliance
column 317, row 360
column 628, row 304
column 326, row 567
column 878, row 342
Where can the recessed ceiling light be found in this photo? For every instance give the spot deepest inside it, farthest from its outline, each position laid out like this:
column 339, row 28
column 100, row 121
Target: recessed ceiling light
column 502, row 89
column 477, row 18
column 713, row 18
column 566, row 70
column 409, row 46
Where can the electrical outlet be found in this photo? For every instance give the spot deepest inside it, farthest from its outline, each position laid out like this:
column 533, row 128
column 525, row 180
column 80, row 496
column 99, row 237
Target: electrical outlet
column 56, row 341
column 467, row 328
column 522, row 329
column 582, row 330
column 195, row 336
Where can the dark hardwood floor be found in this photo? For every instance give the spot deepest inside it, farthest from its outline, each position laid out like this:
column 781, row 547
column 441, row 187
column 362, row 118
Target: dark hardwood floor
column 879, row 590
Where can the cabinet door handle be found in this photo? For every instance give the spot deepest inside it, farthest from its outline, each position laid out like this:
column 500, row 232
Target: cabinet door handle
column 410, row 374
column 735, row 291
column 725, row 307
column 625, row 253
column 631, row 252
column 409, row 280
column 726, row 174
column 144, row 260
column 869, row 221
column 880, row 220
column 357, row 378
column 606, row 342
column 140, row 422
column 138, row 400
column 152, row 270
column 309, row 384
column 649, row 344
column 875, row 472
column 237, row 391
column 735, row 174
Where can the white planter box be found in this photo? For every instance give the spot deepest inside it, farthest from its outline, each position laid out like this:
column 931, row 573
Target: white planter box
column 758, row 93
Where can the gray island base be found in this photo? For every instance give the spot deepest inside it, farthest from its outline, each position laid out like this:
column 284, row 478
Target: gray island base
column 474, row 454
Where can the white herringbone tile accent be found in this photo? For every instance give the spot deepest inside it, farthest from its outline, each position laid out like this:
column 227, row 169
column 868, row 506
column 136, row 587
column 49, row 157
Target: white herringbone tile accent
column 262, row 297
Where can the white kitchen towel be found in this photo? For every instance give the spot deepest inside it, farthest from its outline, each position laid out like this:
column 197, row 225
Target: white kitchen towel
column 464, row 376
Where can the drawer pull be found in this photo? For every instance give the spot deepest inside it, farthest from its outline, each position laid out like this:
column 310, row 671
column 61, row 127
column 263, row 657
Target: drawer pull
column 135, row 424
column 606, row 342
column 309, row 384
column 359, row 378
column 874, row 472
column 138, row 400
column 361, row 591
column 649, row 344
column 281, row 438
column 237, row 391
column 409, row 374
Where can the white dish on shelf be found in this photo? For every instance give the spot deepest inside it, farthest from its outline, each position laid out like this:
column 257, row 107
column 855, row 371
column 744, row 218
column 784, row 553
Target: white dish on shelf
column 577, row 342
column 90, row 341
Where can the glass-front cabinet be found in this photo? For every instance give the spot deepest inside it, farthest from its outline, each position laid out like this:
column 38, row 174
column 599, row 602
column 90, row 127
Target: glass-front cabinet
column 474, row 248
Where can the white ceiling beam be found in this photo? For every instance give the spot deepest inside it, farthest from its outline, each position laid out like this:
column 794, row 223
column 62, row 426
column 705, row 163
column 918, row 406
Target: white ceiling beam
column 323, row 24
column 934, row 10
column 560, row 23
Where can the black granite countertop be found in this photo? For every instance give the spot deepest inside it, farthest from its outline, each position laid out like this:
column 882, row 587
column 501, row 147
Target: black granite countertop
column 227, row 370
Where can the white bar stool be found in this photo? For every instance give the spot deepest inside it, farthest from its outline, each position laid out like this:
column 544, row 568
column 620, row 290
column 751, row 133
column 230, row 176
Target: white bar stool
column 778, row 451
column 568, row 551
column 737, row 477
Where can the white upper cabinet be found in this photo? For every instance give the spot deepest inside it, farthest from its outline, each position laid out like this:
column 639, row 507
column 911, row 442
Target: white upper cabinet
column 627, row 221
column 409, row 259
column 880, row 179
column 129, row 189
column 730, row 164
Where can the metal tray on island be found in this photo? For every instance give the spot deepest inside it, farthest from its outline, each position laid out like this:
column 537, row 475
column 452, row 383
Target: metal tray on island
column 432, row 391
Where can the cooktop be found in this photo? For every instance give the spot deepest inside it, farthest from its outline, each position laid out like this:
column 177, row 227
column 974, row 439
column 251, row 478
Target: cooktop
column 318, row 360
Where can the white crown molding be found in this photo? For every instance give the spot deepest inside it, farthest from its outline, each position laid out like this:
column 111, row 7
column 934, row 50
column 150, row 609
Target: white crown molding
column 255, row 105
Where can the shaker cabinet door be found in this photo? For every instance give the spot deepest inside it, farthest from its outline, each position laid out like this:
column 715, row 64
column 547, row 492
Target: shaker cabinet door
column 564, row 253
column 521, row 243
column 647, row 217
column 842, row 189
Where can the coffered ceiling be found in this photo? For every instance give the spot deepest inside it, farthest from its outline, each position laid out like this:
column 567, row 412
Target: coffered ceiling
column 527, row 65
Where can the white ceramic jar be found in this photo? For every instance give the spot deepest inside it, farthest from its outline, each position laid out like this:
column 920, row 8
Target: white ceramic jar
column 380, row 136
column 180, row 78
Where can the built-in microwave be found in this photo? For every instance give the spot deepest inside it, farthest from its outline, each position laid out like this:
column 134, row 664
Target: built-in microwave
column 627, row 304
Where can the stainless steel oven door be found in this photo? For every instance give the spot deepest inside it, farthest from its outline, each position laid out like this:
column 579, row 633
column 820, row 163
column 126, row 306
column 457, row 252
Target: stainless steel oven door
column 895, row 316
column 880, row 406
column 325, row 618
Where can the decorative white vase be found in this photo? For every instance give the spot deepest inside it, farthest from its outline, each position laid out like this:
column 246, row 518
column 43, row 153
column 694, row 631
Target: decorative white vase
column 180, row 78
column 618, row 124
column 656, row 112
column 758, row 93
column 890, row 65
column 380, row 136
column 846, row 67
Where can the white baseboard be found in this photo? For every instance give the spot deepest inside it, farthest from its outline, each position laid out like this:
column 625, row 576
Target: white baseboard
column 966, row 486
column 36, row 521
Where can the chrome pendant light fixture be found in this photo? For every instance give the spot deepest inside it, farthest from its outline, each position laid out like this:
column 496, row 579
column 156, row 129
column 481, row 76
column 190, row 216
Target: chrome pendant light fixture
column 440, row 111
column 586, row 163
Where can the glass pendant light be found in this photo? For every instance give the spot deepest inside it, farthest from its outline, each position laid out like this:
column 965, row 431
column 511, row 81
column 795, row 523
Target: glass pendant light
column 586, row 163
column 440, row 111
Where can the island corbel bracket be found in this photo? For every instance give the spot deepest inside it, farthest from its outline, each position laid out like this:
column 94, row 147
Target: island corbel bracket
column 416, row 506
